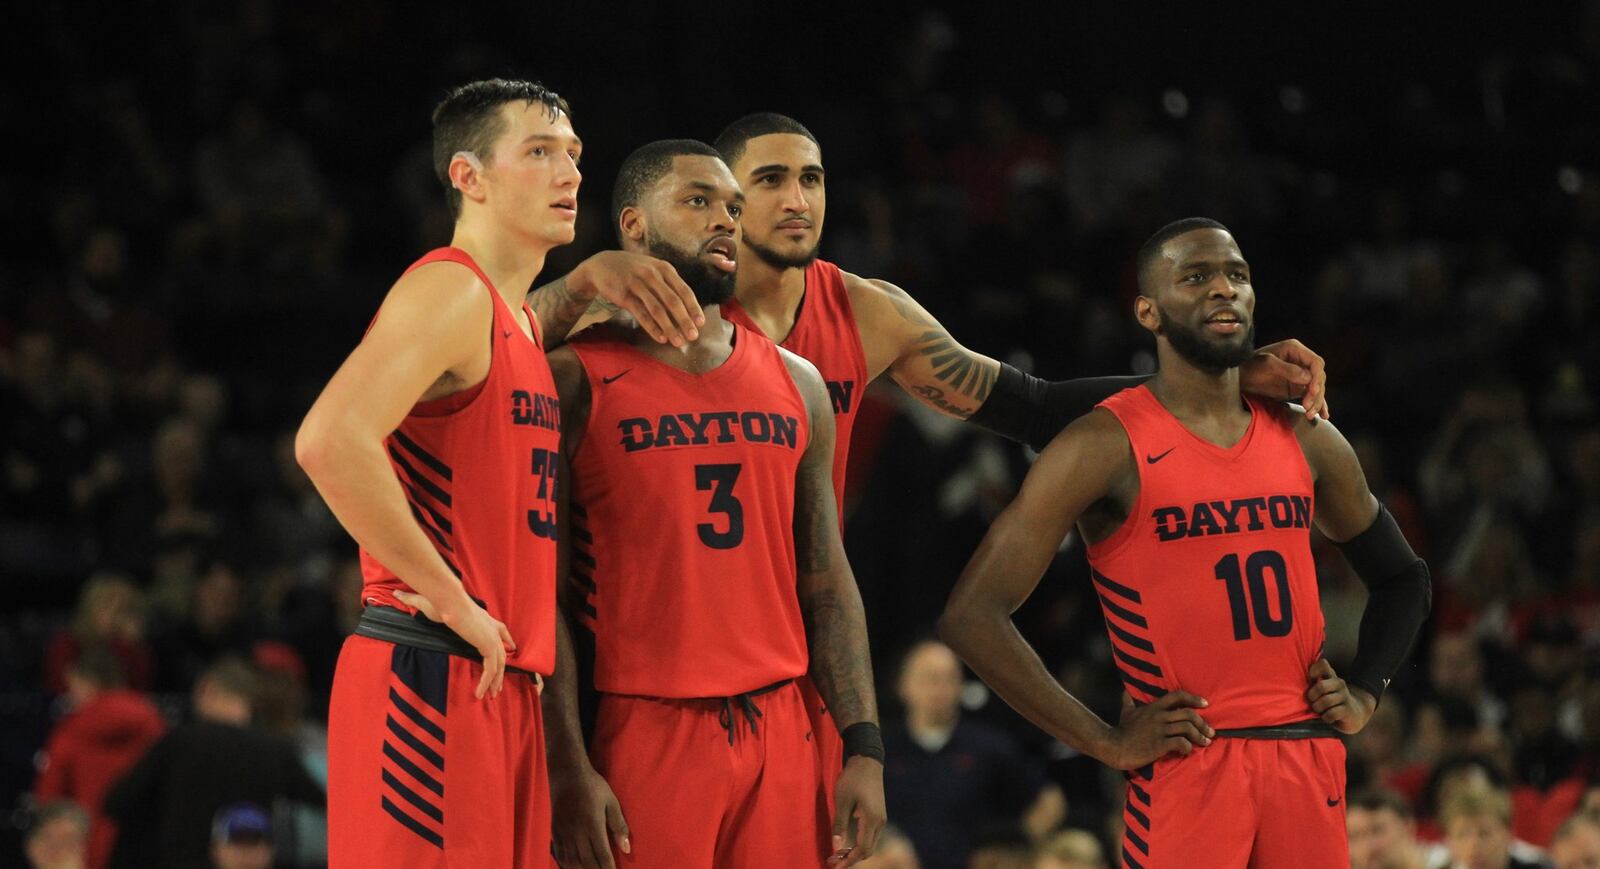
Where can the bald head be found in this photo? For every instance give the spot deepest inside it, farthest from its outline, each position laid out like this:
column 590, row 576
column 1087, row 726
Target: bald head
column 930, row 684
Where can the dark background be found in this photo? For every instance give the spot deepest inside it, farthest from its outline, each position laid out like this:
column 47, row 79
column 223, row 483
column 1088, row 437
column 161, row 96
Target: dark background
column 207, row 202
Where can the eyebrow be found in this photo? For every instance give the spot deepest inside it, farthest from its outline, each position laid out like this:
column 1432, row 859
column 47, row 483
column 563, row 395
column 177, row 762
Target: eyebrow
column 547, row 137
column 1201, row 264
column 712, row 188
column 781, row 167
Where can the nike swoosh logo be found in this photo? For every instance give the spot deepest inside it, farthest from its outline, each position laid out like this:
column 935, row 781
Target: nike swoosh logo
column 508, row 333
column 1153, row 459
column 615, row 376
column 1334, row 801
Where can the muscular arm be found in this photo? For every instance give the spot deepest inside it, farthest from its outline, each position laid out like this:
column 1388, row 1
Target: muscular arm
column 836, row 622
column 900, row 336
column 611, row 281
column 563, row 731
column 1077, row 469
column 1398, row 587
column 429, row 336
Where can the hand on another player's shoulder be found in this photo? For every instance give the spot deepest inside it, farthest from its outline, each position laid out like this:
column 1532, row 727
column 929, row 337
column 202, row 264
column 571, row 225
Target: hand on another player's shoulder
column 1339, row 703
column 1288, row 371
column 647, row 288
column 1147, row 733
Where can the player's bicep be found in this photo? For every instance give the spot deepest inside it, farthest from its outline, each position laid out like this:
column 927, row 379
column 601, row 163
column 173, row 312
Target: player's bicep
column 816, row 520
column 431, row 324
column 1345, row 504
column 919, row 352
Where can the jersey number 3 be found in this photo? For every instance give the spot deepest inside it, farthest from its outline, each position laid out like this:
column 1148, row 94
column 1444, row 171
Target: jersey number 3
column 719, row 480
column 1254, row 574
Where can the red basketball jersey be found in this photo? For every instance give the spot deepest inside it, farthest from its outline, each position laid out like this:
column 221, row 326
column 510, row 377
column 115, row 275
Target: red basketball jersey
column 825, row 334
column 1209, row 585
column 479, row 471
column 683, row 513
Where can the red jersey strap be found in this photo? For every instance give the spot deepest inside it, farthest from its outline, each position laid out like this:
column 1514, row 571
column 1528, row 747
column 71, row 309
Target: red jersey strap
column 461, row 257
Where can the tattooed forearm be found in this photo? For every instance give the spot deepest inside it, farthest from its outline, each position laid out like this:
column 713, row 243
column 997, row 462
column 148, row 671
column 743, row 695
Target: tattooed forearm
column 558, row 308
column 814, row 522
column 962, row 369
column 841, row 664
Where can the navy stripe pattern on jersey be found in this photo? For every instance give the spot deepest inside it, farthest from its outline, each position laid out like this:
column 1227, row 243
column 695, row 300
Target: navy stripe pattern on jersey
column 1130, row 643
column 412, row 787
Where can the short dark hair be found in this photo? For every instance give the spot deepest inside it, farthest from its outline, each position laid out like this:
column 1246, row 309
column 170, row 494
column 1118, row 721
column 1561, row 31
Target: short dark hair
column 1378, row 799
column 469, row 120
column 1150, row 251
column 735, row 136
column 645, row 166
column 231, row 675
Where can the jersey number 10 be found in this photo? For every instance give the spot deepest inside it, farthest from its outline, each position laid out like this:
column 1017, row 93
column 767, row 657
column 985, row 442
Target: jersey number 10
column 1255, row 575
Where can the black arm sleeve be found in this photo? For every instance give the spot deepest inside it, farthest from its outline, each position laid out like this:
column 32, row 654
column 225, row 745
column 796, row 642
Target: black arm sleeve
column 1031, row 411
column 1399, row 597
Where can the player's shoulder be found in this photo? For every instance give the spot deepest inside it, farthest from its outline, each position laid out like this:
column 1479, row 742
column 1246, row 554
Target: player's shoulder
column 805, row 374
column 1099, row 429
column 442, row 282
column 443, row 300
column 606, row 333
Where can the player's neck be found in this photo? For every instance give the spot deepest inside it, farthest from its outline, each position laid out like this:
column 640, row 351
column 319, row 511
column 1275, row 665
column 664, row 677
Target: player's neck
column 699, row 356
column 1189, row 391
column 510, row 262
column 769, row 289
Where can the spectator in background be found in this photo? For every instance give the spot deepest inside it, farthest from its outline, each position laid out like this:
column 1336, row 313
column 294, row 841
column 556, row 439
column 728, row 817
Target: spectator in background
column 949, row 777
column 58, row 837
column 1383, row 832
column 241, row 838
column 215, row 624
column 110, row 614
column 1477, row 831
column 107, row 731
column 1577, row 843
column 166, row 803
column 1070, row 849
column 1001, row 847
column 281, row 712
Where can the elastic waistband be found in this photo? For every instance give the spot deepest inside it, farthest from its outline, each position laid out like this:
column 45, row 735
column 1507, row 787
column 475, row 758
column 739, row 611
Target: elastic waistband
column 1314, row 728
column 754, row 692
column 419, row 632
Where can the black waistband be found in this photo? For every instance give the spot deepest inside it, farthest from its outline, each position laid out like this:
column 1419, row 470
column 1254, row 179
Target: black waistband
column 1313, row 728
column 393, row 626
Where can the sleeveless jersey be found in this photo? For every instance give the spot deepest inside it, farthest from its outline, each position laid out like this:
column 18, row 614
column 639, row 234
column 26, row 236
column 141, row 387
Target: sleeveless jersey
column 1209, row 585
column 479, row 471
column 825, row 334
column 683, row 512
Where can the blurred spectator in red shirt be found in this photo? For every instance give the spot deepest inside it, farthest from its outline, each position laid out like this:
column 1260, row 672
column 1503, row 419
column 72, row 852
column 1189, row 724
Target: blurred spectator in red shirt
column 111, row 614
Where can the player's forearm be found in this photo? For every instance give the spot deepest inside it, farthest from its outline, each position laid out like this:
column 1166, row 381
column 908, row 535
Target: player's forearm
column 987, row 639
column 560, row 304
column 1032, row 411
column 1399, row 598
column 356, row 480
column 836, row 631
column 563, row 732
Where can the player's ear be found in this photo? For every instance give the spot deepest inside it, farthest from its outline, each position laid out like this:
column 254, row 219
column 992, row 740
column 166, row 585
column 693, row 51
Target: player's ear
column 466, row 175
column 1144, row 310
column 631, row 223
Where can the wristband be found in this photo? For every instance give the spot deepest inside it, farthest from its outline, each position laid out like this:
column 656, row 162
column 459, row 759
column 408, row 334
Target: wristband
column 863, row 738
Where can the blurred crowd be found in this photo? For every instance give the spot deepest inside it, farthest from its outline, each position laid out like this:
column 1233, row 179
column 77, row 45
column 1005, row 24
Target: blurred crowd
column 218, row 222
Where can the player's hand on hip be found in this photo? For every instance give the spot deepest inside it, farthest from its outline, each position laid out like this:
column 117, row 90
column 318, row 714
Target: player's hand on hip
column 649, row 289
column 1286, row 371
column 474, row 624
column 858, row 797
column 584, row 812
column 1339, row 703
column 1170, row 725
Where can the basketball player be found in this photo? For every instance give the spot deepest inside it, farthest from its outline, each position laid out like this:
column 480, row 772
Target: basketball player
column 436, row 449
column 705, row 614
column 1196, row 503
column 855, row 329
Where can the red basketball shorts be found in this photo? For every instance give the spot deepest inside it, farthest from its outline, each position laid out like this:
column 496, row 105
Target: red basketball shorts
column 422, row 774
column 692, row 798
column 825, row 735
column 1258, row 803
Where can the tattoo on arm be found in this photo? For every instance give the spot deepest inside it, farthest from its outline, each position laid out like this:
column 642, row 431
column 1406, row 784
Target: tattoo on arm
column 841, row 665
column 813, row 519
column 955, row 365
column 558, row 309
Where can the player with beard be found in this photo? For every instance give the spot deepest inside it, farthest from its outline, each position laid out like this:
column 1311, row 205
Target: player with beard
column 1196, row 503
column 705, row 614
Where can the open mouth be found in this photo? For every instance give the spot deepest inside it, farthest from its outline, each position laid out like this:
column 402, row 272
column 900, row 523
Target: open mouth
column 723, row 253
column 1225, row 322
column 567, row 208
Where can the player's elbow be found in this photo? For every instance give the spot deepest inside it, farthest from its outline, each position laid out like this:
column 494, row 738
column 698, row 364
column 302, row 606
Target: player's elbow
column 316, row 446
column 957, row 626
